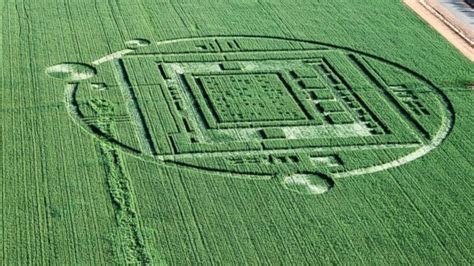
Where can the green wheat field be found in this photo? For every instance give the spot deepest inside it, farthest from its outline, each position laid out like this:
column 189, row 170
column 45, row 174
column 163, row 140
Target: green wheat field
column 232, row 132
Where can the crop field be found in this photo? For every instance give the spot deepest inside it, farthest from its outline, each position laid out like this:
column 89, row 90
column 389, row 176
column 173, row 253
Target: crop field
column 236, row 132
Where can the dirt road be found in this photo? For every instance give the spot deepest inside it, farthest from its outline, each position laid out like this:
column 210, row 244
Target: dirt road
column 446, row 23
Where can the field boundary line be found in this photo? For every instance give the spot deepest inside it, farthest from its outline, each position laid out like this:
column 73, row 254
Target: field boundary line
column 443, row 26
column 451, row 20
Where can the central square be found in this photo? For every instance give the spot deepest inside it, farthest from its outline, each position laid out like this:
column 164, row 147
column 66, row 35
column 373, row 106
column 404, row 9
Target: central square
column 235, row 98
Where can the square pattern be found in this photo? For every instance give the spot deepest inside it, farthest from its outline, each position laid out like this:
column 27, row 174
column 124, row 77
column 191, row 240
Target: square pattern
column 249, row 98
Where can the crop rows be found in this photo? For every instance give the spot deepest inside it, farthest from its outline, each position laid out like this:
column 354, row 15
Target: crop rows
column 181, row 153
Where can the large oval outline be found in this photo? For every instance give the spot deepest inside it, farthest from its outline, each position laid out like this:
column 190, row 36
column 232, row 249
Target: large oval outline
column 443, row 132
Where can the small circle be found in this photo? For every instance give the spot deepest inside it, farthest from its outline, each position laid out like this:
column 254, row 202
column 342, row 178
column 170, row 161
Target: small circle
column 137, row 43
column 308, row 183
column 71, row 71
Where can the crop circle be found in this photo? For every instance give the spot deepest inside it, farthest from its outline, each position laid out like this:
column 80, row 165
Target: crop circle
column 261, row 107
column 71, row 71
column 137, row 43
